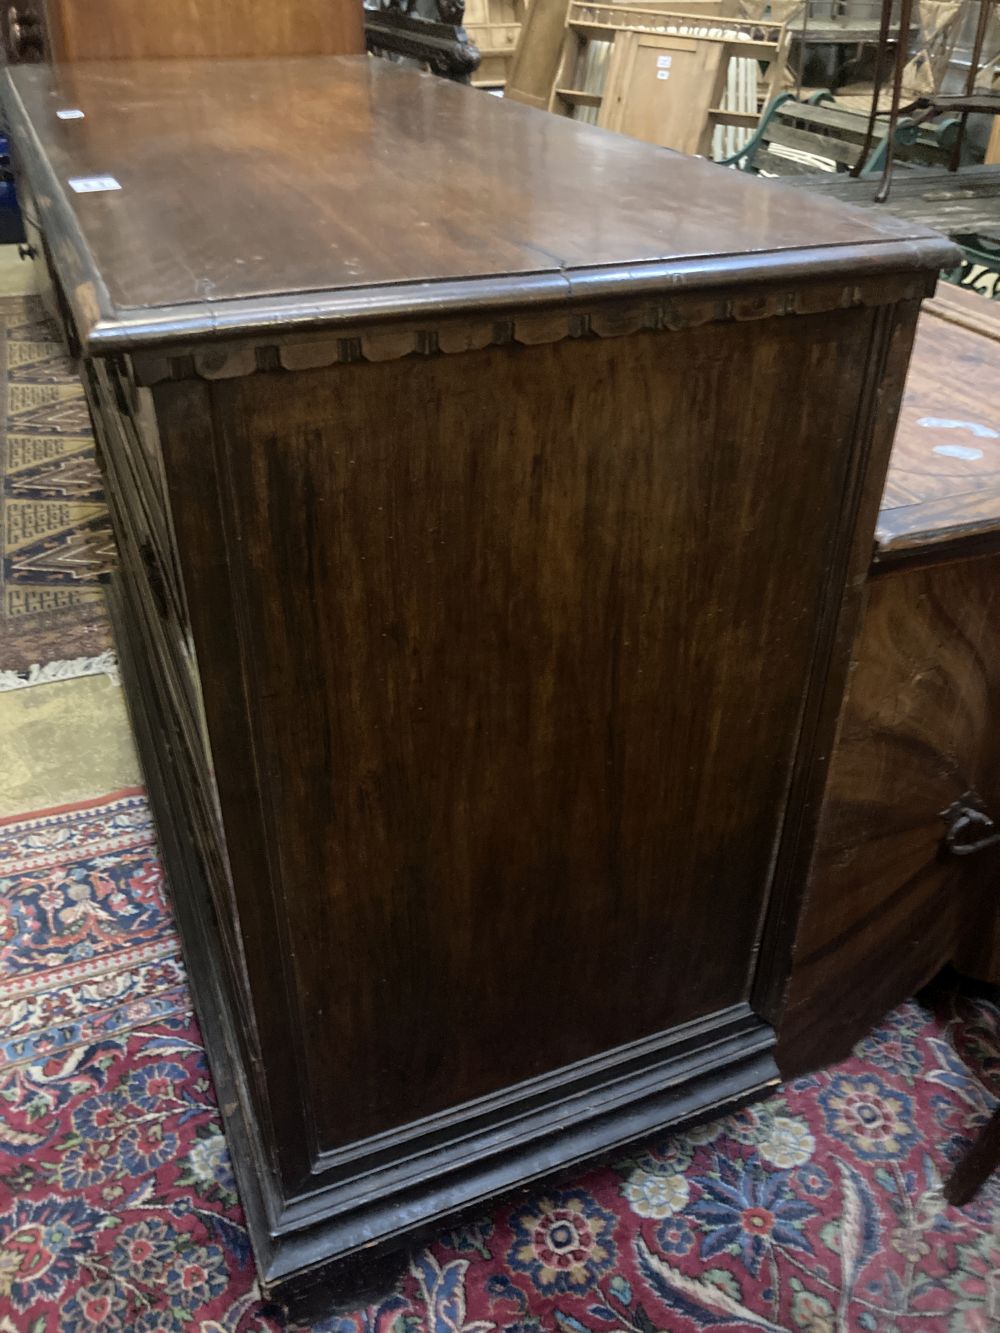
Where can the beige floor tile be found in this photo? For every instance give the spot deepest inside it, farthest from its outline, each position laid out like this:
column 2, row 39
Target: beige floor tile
column 17, row 275
column 64, row 742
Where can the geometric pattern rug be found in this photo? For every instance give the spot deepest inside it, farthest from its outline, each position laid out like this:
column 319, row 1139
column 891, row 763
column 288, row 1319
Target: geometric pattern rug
column 55, row 536
column 819, row 1210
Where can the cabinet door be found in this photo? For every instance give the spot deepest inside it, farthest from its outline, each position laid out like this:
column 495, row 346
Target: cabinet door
column 660, row 89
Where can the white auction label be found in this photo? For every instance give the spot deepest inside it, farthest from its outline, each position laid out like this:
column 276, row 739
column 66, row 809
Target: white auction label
column 663, row 73
column 93, row 184
column 664, row 62
column 70, row 113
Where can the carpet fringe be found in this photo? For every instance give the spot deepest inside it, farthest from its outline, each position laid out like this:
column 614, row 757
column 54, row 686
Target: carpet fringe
column 105, row 663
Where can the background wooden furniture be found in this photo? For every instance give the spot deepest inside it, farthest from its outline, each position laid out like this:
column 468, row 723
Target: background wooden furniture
column 484, row 650
column 978, row 1164
column 907, row 865
column 663, row 89
column 131, row 29
column 429, row 31
column 536, row 58
column 494, row 26
column 662, row 76
column 536, row 55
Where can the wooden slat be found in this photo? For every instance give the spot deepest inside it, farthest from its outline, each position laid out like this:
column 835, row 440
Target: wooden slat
column 850, row 123
column 785, row 167
column 579, row 97
column 956, row 203
column 721, row 116
column 606, row 32
column 818, row 144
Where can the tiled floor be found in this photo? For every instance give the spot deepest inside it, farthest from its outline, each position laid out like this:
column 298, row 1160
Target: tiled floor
column 64, row 742
column 17, row 276
column 67, row 740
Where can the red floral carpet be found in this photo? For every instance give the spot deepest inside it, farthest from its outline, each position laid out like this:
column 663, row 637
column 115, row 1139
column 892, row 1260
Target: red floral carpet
column 820, row 1210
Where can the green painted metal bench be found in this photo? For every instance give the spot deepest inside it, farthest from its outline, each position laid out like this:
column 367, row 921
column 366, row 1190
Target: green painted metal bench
column 821, row 128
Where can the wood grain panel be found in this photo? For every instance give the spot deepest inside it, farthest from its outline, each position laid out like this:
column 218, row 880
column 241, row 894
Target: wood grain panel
column 142, row 29
column 944, row 476
column 528, row 703
column 659, row 104
column 887, row 907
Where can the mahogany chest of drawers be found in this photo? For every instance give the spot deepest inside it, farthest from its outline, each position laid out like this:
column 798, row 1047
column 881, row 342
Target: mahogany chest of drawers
column 494, row 498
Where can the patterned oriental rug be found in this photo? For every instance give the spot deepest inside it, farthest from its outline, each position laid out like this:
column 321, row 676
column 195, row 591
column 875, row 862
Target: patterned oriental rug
column 55, row 537
column 820, row 1210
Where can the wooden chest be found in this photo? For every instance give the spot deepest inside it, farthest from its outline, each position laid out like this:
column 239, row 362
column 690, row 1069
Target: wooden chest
column 907, row 861
column 494, row 498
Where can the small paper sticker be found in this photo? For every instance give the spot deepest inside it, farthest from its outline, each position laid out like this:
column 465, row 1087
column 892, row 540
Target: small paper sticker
column 663, row 73
column 70, row 113
column 664, row 62
column 93, row 184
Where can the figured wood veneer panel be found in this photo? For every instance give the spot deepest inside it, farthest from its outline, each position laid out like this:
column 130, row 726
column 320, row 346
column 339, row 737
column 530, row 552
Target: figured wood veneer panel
column 886, row 909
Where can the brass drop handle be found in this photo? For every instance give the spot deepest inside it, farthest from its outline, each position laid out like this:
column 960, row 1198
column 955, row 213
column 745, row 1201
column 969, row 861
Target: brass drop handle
column 969, row 828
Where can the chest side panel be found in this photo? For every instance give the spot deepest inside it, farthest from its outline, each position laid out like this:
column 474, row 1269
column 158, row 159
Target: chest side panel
column 887, row 904
column 526, row 635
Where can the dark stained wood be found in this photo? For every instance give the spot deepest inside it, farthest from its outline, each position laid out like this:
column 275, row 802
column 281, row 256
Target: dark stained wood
column 349, row 185
column 977, row 1165
column 977, row 953
column 484, row 646
column 877, row 412
column 888, row 903
column 172, row 29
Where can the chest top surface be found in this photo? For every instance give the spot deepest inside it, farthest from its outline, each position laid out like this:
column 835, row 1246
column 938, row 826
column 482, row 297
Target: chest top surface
column 943, row 487
column 349, row 182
